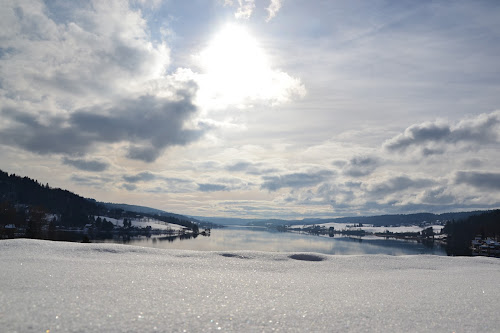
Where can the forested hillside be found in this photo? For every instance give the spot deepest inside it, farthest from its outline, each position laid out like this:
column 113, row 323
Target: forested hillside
column 461, row 233
column 24, row 194
column 26, row 203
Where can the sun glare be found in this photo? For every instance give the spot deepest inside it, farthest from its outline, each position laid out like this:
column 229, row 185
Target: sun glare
column 235, row 67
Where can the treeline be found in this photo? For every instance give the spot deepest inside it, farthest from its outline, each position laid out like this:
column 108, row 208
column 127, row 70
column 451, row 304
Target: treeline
column 25, row 194
column 30, row 205
column 461, row 233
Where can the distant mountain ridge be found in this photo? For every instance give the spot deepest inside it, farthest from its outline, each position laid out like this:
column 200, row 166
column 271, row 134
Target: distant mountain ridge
column 379, row 220
column 143, row 210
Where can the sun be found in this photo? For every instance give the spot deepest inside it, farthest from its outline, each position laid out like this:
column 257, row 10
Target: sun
column 235, row 67
column 234, row 52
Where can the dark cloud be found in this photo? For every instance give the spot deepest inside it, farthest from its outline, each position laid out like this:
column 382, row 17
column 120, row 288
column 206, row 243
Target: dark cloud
column 239, row 166
column 144, row 176
column 438, row 196
column 480, row 180
column 86, row 165
column 212, row 187
column 432, row 151
column 473, row 163
column 162, row 184
column 149, row 123
column 296, row 180
column 483, row 129
column 339, row 163
column 143, row 153
column 398, row 184
column 129, row 187
column 361, row 166
column 250, row 168
column 351, row 184
column 419, row 134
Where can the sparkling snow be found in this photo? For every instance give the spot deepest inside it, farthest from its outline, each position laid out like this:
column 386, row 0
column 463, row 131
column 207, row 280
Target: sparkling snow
column 71, row 287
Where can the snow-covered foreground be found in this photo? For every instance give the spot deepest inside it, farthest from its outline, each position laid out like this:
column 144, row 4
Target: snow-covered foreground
column 70, row 287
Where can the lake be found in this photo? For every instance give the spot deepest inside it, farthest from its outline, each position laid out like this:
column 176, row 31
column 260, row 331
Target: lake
column 261, row 239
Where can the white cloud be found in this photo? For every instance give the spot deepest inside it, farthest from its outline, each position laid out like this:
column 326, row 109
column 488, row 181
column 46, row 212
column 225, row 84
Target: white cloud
column 101, row 51
column 274, row 7
column 245, row 9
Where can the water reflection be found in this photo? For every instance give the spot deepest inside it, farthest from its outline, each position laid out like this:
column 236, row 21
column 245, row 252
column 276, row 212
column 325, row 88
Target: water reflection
column 254, row 239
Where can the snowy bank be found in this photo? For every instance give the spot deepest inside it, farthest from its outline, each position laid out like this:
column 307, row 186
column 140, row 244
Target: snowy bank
column 70, row 287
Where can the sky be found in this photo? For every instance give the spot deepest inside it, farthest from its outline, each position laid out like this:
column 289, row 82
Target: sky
column 256, row 109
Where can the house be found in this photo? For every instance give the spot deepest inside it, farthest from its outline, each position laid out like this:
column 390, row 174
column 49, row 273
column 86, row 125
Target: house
column 9, row 231
column 485, row 247
column 87, row 228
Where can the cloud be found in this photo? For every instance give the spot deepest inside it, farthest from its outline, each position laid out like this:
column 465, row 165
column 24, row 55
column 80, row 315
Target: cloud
column 397, row 184
column 473, row 163
column 62, row 51
column 274, row 7
column 296, row 180
column 144, row 176
column 212, row 187
column 86, row 165
column 245, row 9
column 438, row 196
column 82, row 74
column 93, row 181
column 239, row 166
column 480, row 180
column 250, row 168
column 361, row 166
column 150, row 124
column 147, row 181
column 482, row 129
column 129, row 187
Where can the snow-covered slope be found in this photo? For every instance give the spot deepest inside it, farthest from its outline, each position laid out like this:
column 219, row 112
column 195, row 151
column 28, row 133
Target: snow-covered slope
column 70, row 287
column 144, row 222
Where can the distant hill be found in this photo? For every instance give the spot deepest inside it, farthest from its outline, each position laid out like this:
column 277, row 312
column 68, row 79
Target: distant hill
column 229, row 220
column 398, row 219
column 381, row 220
column 144, row 210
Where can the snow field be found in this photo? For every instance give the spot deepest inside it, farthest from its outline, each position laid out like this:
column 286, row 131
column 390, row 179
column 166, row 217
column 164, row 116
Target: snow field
column 373, row 229
column 142, row 223
column 72, row 287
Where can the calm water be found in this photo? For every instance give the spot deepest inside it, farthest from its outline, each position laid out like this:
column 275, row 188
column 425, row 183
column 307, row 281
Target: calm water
column 243, row 238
